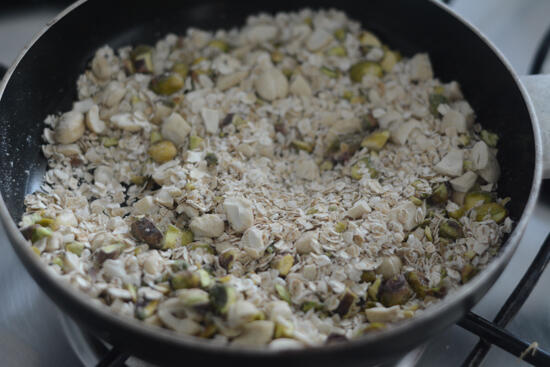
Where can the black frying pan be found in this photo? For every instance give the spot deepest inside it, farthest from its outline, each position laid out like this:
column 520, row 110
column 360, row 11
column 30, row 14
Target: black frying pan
column 43, row 82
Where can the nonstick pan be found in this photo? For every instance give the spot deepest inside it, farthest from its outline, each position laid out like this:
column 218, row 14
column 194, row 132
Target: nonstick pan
column 42, row 81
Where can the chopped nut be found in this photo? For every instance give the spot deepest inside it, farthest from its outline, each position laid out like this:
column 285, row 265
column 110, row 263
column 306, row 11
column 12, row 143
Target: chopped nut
column 337, row 51
column 467, row 273
column 283, row 294
column 207, row 225
column 211, row 159
column 440, row 194
column 477, row 198
column 172, row 238
column 195, row 142
column 450, row 229
column 359, row 70
column 302, row 145
column 181, row 69
column 227, row 258
column 394, row 291
column 185, row 279
column 222, row 297
column 271, row 85
column 70, row 128
column 163, row 151
column 283, row 264
column 376, row 140
column 219, row 44
column 389, row 267
column 175, row 129
column 167, row 84
column 144, row 230
column 345, row 305
column 491, row 139
column 142, row 61
column 493, row 211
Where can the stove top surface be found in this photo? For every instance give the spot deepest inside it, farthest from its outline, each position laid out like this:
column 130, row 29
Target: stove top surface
column 33, row 333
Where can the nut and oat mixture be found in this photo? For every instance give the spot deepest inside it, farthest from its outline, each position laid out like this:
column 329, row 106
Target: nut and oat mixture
column 289, row 183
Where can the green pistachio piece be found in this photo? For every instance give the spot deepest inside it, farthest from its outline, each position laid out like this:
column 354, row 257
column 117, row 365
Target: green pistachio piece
column 344, row 307
column 491, row 139
column 435, row 99
column 166, row 84
column 181, row 68
column 283, row 293
column 417, row 283
column 195, row 142
column 326, row 166
column 179, row 265
column 368, row 276
column 145, row 231
column 473, row 199
column 428, row 233
column 331, row 73
column 394, row 291
column 185, row 279
column 369, row 122
column 283, row 264
column 172, row 237
column 376, row 140
column 340, row 227
column 40, row 232
column 340, row 34
column 373, row 289
column 205, row 279
column 416, row 201
column 59, row 262
column 211, row 159
column 138, row 180
column 155, row 136
column 311, row 305
column 337, row 51
column 368, row 39
column 450, row 229
column 440, row 194
column 362, row 68
column 283, row 330
column 109, row 142
column 187, row 237
column 389, row 60
column 163, row 151
column 142, row 59
column 467, row 273
column 277, row 56
column 495, row 212
column 227, row 258
column 302, row 145
column 75, row 247
column 108, row 252
column 219, row 44
column 456, row 214
column 373, row 327
column 146, row 309
column 222, row 296
column 464, row 139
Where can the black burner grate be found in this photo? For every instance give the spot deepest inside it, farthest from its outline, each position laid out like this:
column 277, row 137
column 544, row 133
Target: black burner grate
column 490, row 333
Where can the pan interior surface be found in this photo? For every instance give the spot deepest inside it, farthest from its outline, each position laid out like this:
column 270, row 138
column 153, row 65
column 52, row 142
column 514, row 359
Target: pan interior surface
column 44, row 82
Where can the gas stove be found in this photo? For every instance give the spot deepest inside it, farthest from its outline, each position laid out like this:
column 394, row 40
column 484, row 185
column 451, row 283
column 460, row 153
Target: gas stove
column 33, row 332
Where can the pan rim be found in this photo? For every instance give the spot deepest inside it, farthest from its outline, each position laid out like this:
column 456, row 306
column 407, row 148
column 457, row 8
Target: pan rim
column 42, row 275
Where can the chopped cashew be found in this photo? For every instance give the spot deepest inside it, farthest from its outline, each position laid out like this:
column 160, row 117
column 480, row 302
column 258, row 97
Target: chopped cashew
column 239, row 213
column 451, row 164
column 175, row 129
column 207, row 225
column 465, row 182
